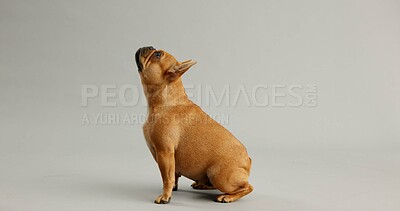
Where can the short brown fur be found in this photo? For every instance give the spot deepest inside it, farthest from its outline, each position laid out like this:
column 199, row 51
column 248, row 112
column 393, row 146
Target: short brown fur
column 183, row 139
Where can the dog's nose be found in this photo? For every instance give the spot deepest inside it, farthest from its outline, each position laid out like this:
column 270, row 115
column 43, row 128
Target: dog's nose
column 145, row 50
column 142, row 52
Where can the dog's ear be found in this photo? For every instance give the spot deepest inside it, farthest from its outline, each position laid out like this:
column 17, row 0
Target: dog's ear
column 177, row 70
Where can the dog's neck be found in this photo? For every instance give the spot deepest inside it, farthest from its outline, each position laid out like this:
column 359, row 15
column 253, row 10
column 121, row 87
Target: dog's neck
column 171, row 94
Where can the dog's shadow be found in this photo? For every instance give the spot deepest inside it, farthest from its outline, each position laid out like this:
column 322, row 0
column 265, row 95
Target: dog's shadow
column 138, row 191
column 207, row 195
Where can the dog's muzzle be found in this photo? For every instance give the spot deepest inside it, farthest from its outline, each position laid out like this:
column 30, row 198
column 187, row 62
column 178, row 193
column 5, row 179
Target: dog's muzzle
column 142, row 52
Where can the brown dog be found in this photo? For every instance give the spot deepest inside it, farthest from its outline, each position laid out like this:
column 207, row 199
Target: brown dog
column 183, row 139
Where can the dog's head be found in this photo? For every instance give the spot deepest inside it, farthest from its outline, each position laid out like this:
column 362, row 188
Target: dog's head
column 157, row 67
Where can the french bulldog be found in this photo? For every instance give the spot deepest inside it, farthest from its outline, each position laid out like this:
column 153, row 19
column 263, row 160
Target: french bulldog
column 182, row 138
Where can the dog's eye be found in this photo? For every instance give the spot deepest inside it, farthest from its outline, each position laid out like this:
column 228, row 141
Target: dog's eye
column 157, row 54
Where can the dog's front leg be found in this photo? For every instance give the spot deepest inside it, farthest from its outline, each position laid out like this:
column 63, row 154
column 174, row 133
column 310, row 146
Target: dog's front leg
column 166, row 163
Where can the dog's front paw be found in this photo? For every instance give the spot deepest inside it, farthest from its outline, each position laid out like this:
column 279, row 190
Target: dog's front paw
column 162, row 199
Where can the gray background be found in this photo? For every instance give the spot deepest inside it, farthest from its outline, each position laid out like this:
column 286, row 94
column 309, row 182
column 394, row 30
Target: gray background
column 342, row 154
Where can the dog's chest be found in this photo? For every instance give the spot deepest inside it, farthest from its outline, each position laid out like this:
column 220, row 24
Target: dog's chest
column 146, row 133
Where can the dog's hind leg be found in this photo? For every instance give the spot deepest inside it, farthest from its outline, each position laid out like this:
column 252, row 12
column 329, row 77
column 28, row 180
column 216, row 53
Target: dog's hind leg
column 243, row 190
column 234, row 184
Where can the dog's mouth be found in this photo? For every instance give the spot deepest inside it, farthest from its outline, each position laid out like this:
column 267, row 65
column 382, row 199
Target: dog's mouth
column 144, row 52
